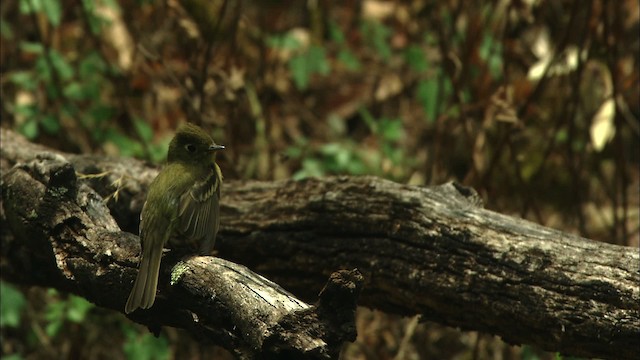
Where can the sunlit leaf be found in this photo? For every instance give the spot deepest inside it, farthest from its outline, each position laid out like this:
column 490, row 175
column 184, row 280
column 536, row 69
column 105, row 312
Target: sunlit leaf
column 126, row 145
column 391, row 129
column 303, row 66
column 310, row 168
column 602, row 126
column 300, row 71
column 30, row 6
column 53, row 11
column 23, row 79
column 287, row 41
column 31, row 47
column 29, row 128
column 330, row 148
column 144, row 130
column 27, row 110
column 78, row 308
column 562, row 136
column 113, row 4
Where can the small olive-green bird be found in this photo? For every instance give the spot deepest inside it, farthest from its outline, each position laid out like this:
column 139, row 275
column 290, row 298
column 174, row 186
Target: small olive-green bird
column 182, row 209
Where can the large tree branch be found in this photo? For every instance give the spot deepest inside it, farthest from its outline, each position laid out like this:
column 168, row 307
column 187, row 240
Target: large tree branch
column 63, row 236
column 429, row 251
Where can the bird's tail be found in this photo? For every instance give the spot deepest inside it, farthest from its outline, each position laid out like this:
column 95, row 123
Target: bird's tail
column 144, row 289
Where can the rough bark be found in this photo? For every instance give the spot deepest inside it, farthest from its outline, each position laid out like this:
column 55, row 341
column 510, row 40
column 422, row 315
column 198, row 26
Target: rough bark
column 63, row 236
column 429, row 251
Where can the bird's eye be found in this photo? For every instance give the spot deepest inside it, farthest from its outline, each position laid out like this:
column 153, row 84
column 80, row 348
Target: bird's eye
column 190, row 148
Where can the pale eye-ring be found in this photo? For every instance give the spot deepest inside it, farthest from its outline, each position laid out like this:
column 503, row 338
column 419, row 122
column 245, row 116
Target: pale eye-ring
column 190, row 148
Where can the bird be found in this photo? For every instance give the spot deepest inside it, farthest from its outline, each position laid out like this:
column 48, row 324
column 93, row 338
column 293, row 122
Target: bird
column 181, row 211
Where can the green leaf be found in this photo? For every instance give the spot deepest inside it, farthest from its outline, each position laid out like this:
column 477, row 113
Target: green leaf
column 53, row 328
column 75, row 91
column 31, row 47
column 52, row 90
column 146, row 347
column 415, row 57
column 5, row 30
column 369, row 120
column 12, row 357
column 528, row 353
column 53, row 10
column 491, row 52
column 303, row 66
column 11, row 304
column 330, row 148
column 294, row 152
column 427, row 94
column 91, row 65
column 29, row 128
column 126, row 145
column 157, row 152
column 95, row 20
column 337, row 125
column 319, row 57
column 349, row 60
column 562, row 136
column 24, row 79
column 357, row 167
column 61, row 65
column 42, row 70
column 27, row 110
column 310, row 168
column 50, row 124
column 101, row 113
column 531, row 164
column 78, row 309
column 284, row 42
column 300, row 72
column 377, row 35
column 143, row 129
column 30, row 6
column 391, row 129
column 55, row 316
column 113, row 4
column 335, row 33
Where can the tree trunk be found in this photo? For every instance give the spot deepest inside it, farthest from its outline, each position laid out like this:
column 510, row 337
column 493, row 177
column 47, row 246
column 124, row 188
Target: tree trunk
column 431, row 251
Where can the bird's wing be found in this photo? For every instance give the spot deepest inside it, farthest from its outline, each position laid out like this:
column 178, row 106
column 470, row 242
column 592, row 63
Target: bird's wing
column 198, row 215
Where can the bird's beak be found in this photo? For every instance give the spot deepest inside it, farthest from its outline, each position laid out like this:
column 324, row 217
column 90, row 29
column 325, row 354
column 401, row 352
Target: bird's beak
column 216, row 147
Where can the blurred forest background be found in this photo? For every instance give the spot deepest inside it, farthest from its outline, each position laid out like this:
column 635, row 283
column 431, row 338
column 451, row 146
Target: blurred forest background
column 534, row 103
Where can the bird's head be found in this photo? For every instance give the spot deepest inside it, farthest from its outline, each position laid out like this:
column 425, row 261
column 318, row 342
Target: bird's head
column 192, row 145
